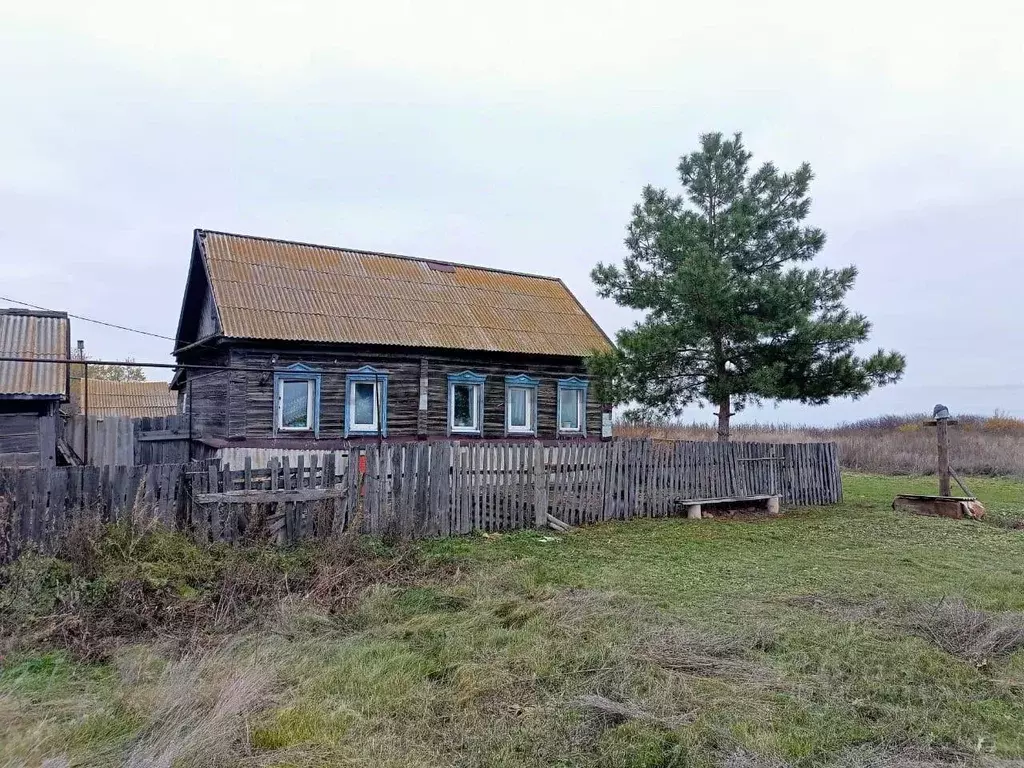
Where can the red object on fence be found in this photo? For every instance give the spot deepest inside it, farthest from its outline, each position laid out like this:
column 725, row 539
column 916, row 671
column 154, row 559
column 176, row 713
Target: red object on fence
column 362, row 471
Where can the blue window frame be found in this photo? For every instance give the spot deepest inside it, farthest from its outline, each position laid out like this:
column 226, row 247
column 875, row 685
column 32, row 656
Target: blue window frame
column 466, row 403
column 297, row 399
column 520, row 405
column 572, row 406
column 366, row 402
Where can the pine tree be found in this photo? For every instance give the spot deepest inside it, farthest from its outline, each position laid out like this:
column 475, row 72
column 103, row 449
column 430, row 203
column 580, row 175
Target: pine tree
column 733, row 317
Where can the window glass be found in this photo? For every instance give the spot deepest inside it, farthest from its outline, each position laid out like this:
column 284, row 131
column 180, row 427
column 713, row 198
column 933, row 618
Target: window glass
column 520, row 412
column 364, row 411
column 569, row 409
column 295, row 404
column 464, row 406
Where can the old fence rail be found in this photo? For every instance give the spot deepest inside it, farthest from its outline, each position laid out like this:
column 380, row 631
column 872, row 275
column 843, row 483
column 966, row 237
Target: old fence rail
column 415, row 489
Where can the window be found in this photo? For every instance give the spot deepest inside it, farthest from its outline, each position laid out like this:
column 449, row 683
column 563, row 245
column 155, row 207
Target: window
column 366, row 402
column 466, row 403
column 520, row 405
column 297, row 399
column 572, row 406
column 296, row 407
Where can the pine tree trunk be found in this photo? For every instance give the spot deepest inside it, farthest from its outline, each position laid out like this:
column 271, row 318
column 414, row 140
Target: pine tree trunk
column 724, row 412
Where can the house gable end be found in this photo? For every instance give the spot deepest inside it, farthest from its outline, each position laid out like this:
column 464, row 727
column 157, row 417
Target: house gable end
column 199, row 318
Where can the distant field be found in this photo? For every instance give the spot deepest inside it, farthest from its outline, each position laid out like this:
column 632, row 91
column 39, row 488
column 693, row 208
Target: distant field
column 891, row 445
column 832, row 636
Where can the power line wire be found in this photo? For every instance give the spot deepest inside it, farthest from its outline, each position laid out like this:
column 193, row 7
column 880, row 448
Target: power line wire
column 90, row 320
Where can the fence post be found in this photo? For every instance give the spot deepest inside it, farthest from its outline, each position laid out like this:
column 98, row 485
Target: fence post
column 540, row 486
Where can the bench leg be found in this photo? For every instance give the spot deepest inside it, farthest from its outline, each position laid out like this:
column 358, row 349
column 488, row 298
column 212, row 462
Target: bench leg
column 773, row 505
column 693, row 512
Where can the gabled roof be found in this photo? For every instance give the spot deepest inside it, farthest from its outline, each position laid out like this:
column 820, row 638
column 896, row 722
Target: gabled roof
column 36, row 334
column 279, row 290
column 127, row 398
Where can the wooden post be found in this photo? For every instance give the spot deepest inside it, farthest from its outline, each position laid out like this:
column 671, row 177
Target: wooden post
column 693, row 512
column 540, row 488
column 943, row 436
column 942, row 422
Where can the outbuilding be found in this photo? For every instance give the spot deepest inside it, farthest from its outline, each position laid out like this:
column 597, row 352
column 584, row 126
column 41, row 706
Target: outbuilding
column 31, row 393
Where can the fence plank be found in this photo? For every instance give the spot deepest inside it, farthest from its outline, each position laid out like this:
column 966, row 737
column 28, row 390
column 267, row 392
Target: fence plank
column 419, row 489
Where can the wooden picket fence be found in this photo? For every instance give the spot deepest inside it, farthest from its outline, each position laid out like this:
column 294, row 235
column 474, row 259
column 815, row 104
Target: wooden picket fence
column 413, row 490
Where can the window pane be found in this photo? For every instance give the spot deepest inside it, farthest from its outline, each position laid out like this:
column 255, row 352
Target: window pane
column 463, row 410
column 568, row 408
column 295, row 404
column 364, row 409
column 518, row 408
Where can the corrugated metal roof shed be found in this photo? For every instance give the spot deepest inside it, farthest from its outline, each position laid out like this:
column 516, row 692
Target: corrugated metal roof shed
column 127, row 398
column 30, row 333
column 272, row 289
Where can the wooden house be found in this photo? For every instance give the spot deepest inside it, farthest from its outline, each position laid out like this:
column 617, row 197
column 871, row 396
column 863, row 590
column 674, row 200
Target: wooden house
column 31, row 392
column 291, row 345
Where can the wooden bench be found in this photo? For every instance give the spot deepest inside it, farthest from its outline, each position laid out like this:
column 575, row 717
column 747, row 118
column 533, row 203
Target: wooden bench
column 693, row 506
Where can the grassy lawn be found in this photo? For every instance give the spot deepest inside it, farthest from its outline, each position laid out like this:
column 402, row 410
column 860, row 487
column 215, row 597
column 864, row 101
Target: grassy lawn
column 648, row 643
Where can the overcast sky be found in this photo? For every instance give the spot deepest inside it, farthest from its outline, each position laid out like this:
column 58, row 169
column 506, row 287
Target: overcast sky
column 518, row 135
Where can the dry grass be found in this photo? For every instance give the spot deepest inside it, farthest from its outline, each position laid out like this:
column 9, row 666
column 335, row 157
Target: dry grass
column 841, row 608
column 198, row 711
column 890, row 445
column 966, row 632
column 743, row 758
column 703, row 653
column 616, row 712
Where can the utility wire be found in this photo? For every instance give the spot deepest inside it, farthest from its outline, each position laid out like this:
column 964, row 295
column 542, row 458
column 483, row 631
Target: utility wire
column 90, row 320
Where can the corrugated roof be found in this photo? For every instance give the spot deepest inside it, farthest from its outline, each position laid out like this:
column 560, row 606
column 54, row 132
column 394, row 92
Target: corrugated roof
column 29, row 333
column 127, row 398
column 272, row 289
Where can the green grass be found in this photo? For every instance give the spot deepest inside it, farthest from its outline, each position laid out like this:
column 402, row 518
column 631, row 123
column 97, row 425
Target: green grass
column 486, row 666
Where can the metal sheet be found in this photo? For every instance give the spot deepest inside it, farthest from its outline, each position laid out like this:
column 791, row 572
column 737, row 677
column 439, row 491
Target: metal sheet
column 127, row 398
column 272, row 289
column 27, row 333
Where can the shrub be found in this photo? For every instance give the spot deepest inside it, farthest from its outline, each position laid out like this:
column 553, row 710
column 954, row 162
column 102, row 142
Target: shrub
column 122, row 581
column 890, row 444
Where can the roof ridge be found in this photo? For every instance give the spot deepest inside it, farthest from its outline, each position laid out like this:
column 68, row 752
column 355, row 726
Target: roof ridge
column 385, row 254
column 34, row 312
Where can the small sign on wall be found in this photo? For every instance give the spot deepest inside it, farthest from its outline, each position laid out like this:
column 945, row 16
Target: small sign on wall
column 606, row 426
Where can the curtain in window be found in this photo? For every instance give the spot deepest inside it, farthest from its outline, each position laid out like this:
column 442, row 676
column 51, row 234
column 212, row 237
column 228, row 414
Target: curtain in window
column 462, row 406
column 364, row 406
column 568, row 409
column 518, row 401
